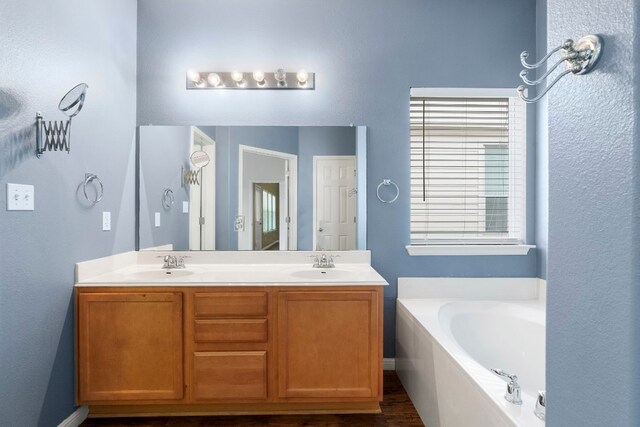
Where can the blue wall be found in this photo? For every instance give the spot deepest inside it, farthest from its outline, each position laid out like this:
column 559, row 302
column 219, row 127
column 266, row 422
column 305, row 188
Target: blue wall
column 48, row 47
column 593, row 276
column 367, row 54
column 163, row 151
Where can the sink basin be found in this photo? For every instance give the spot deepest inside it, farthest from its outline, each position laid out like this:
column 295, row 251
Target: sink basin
column 323, row 274
column 160, row 274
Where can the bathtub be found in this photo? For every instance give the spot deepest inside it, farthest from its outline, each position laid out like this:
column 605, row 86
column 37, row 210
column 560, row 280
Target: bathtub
column 450, row 332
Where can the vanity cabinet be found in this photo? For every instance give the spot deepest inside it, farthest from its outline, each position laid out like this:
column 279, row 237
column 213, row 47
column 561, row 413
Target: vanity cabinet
column 328, row 344
column 229, row 349
column 129, row 346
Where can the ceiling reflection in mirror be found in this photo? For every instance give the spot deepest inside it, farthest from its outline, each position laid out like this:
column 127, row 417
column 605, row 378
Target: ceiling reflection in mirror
column 252, row 188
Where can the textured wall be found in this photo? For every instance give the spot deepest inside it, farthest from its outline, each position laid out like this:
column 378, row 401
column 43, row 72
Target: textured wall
column 594, row 196
column 542, row 149
column 367, row 54
column 163, row 151
column 48, row 47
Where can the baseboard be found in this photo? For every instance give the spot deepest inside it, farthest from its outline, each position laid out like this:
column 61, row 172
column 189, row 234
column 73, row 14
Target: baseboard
column 389, row 364
column 76, row 418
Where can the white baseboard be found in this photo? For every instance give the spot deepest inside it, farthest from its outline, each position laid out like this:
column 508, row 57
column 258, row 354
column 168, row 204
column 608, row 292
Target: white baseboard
column 389, row 364
column 76, row 418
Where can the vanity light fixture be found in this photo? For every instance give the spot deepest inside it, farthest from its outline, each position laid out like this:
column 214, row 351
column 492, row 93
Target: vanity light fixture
column 214, row 79
column 302, row 77
column 258, row 79
column 258, row 76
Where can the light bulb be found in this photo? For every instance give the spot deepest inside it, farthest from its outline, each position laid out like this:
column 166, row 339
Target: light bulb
column 281, row 76
column 302, row 77
column 194, row 76
column 214, row 79
column 258, row 76
column 237, row 76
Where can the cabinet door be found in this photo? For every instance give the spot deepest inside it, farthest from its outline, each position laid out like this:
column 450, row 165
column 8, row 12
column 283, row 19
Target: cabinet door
column 328, row 344
column 130, row 346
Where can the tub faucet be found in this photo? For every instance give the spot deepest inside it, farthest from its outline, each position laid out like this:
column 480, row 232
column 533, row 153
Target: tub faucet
column 513, row 394
column 541, row 404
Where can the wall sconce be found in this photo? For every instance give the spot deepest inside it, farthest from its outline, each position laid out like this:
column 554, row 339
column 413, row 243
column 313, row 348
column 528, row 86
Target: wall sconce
column 280, row 79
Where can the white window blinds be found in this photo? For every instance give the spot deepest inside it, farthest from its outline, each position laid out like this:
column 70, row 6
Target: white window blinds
column 467, row 169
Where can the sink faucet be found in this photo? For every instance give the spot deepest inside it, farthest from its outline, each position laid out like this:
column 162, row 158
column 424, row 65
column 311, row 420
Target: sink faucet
column 323, row 261
column 173, row 261
column 513, row 394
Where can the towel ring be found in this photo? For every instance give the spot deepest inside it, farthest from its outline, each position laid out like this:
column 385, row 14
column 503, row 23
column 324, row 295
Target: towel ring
column 386, row 183
column 88, row 179
column 167, row 198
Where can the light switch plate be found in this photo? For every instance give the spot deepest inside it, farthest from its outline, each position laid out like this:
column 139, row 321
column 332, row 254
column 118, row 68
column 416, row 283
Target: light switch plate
column 157, row 218
column 106, row 221
column 185, row 207
column 20, row 197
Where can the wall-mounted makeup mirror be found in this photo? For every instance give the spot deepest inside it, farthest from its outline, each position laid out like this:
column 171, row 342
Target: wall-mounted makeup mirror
column 253, row 187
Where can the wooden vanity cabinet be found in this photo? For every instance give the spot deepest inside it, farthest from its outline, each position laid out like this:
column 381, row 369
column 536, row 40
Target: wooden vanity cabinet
column 129, row 346
column 329, row 344
column 228, row 345
column 207, row 350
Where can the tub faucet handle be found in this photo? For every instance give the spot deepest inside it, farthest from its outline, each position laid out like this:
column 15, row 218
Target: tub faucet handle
column 514, row 393
column 541, row 405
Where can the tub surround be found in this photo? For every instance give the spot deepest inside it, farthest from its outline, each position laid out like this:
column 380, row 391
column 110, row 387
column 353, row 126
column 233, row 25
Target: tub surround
column 450, row 331
column 241, row 333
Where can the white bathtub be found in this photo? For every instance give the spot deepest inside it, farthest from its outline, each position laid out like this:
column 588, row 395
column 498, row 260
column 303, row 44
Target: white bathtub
column 447, row 342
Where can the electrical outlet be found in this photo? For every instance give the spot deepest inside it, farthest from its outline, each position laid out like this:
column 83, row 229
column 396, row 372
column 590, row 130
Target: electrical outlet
column 157, row 218
column 185, row 207
column 20, row 197
column 106, row 221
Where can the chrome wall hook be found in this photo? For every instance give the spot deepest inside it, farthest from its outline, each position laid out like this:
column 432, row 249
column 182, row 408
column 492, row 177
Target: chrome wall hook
column 580, row 58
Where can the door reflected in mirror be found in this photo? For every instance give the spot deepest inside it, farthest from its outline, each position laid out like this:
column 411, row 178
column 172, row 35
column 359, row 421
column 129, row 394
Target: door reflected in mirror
column 252, row 187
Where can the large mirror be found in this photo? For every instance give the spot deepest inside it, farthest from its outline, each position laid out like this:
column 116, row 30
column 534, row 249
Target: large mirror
column 252, row 188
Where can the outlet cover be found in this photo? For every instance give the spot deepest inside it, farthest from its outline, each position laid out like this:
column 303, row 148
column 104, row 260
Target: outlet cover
column 157, row 219
column 185, row 207
column 106, row 221
column 20, row 197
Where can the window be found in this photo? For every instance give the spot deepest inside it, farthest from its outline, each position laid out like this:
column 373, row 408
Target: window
column 268, row 211
column 468, row 165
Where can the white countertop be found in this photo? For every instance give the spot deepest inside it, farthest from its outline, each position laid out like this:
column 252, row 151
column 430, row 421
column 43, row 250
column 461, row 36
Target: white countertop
column 139, row 270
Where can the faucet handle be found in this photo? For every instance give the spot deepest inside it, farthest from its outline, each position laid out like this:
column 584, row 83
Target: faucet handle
column 541, row 405
column 513, row 394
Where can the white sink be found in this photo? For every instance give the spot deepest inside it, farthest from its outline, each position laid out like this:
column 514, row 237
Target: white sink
column 323, row 274
column 164, row 274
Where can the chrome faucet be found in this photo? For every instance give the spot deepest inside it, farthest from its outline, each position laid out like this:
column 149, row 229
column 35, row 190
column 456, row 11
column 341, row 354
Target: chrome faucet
column 173, row 261
column 323, row 261
column 514, row 393
column 541, row 405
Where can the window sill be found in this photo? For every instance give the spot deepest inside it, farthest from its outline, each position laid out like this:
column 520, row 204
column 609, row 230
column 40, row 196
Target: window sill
column 461, row 250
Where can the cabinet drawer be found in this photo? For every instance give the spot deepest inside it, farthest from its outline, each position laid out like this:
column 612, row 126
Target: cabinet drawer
column 225, row 304
column 231, row 330
column 227, row 375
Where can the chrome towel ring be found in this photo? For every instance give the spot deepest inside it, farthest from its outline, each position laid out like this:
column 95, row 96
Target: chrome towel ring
column 167, row 198
column 92, row 178
column 387, row 182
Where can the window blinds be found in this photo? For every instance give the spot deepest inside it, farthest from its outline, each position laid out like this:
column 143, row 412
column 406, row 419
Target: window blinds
column 467, row 170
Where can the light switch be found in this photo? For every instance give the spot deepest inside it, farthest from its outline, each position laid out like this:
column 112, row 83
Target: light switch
column 20, row 197
column 106, row 221
column 157, row 219
column 185, row 207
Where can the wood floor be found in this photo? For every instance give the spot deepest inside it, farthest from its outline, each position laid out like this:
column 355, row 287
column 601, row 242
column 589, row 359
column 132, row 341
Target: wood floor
column 397, row 411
